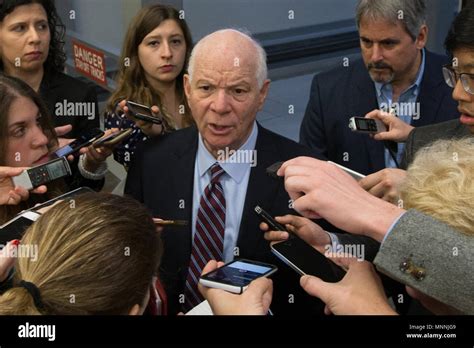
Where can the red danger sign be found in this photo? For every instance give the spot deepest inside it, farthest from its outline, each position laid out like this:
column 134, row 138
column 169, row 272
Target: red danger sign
column 89, row 62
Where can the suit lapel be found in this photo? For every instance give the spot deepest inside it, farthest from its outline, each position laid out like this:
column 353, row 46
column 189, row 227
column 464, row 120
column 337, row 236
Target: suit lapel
column 183, row 186
column 430, row 95
column 262, row 191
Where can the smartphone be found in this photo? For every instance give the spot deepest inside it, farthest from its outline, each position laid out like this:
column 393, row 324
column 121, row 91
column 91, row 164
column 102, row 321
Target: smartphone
column 65, row 196
column 306, row 260
column 366, row 125
column 353, row 173
column 273, row 169
column 43, row 174
column 269, row 220
column 236, row 276
column 16, row 227
column 113, row 139
column 142, row 112
column 85, row 139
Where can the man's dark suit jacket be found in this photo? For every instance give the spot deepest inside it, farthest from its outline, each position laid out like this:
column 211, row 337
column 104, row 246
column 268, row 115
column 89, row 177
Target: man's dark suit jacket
column 161, row 176
column 423, row 136
column 57, row 87
column 344, row 92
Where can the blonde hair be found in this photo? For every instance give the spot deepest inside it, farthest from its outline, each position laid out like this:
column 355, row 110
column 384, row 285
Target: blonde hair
column 440, row 183
column 97, row 254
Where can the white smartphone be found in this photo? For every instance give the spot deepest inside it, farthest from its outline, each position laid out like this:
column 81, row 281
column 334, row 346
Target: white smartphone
column 353, row 173
column 366, row 125
column 15, row 228
column 236, row 276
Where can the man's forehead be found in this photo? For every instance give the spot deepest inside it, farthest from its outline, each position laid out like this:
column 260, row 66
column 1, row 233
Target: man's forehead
column 463, row 58
column 233, row 74
column 380, row 29
column 232, row 65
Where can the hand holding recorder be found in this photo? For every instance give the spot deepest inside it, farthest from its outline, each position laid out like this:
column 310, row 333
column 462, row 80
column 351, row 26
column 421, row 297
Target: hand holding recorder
column 10, row 194
column 396, row 129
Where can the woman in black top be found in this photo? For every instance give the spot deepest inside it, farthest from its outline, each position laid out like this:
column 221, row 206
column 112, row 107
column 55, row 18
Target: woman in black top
column 31, row 48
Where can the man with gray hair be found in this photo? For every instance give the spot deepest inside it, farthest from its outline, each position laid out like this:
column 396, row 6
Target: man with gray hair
column 213, row 175
column 395, row 73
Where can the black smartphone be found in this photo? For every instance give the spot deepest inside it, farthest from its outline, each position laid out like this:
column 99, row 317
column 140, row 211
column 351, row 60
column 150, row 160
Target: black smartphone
column 16, row 227
column 269, row 220
column 273, row 169
column 306, row 260
column 142, row 112
column 64, row 196
column 85, row 139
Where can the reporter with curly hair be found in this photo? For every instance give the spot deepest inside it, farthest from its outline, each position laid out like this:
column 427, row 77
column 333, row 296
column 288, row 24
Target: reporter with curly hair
column 32, row 49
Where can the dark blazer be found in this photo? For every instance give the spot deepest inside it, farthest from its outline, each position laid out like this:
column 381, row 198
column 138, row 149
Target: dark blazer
column 423, row 136
column 344, row 92
column 161, row 176
column 56, row 88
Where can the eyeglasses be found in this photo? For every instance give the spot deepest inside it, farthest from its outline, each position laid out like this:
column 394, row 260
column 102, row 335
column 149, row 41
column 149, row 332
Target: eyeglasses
column 451, row 77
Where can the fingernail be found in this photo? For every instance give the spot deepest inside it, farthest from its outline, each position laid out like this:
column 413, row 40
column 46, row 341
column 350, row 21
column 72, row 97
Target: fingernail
column 15, row 242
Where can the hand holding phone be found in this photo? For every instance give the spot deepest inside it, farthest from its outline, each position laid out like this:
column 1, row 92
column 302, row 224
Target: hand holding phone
column 43, row 174
column 236, row 276
column 113, row 139
column 85, row 139
column 269, row 220
column 142, row 112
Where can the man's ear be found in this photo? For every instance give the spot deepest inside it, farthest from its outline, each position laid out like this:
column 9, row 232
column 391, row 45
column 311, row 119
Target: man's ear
column 263, row 94
column 422, row 37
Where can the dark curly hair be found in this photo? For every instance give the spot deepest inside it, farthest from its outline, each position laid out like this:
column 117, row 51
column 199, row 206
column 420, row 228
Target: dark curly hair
column 57, row 57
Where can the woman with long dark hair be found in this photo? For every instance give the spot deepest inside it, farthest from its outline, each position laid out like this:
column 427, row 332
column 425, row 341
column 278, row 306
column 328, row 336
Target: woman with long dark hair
column 154, row 58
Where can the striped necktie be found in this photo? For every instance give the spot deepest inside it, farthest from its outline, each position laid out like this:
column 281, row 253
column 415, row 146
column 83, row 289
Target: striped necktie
column 208, row 242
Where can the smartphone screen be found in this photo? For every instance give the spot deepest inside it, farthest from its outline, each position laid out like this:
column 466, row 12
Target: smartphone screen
column 239, row 273
column 83, row 140
column 304, row 259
